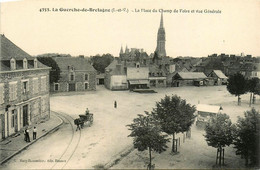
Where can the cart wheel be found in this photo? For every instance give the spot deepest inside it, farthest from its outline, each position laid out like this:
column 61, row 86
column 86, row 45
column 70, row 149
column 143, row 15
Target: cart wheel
column 91, row 119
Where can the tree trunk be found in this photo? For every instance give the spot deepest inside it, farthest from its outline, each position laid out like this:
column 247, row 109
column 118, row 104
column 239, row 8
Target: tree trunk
column 220, row 156
column 253, row 98
column 238, row 100
column 173, row 142
column 250, row 99
column 150, row 155
column 246, row 160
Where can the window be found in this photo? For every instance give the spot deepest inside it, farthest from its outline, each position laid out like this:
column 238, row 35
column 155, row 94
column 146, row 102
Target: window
column 86, row 76
column 43, row 83
column 25, row 86
column 13, row 64
column 35, row 63
column 12, row 91
column 56, row 86
column 35, row 85
column 72, row 76
column 25, row 65
column 86, row 86
column 12, row 120
column 160, row 81
column 1, row 93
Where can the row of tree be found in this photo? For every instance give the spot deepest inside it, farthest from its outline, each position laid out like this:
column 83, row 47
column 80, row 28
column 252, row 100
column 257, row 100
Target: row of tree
column 239, row 85
column 150, row 131
column 244, row 135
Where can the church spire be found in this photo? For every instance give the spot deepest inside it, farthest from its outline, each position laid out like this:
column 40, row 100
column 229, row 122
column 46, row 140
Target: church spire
column 160, row 48
column 161, row 23
column 126, row 49
column 121, row 50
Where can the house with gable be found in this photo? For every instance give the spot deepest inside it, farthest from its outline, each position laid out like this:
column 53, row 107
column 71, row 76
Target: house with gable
column 189, row 79
column 24, row 89
column 115, row 76
column 218, row 76
column 76, row 75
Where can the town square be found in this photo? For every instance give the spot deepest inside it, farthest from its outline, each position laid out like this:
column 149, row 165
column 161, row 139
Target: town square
column 129, row 85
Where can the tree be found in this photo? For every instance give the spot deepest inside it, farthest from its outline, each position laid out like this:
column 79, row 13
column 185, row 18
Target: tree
column 237, row 85
column 147, row 135
column 219, row 132
column 174, row 115
column 55, row 70
column 247, row 137
column 101, row 62
column 253, row 88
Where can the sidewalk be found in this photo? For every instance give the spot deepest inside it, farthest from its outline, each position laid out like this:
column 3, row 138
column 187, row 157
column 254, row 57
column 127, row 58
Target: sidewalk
column 13, row 145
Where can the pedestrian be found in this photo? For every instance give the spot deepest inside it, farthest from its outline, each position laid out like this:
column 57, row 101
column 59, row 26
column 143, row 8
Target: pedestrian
column 115, row 104
column 28, row 135
column 34, row 133
column 25, row 137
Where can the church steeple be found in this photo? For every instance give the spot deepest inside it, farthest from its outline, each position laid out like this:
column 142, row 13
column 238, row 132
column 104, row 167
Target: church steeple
column 126, row 49
column 160, row 49
column 161, row 23
column 121, row 50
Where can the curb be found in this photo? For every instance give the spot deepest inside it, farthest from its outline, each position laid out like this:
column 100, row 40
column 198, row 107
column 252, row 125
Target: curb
column 118, row 158
column 32, row 142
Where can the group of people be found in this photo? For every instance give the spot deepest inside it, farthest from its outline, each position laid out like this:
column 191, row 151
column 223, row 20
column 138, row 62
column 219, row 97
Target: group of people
column 27, row 134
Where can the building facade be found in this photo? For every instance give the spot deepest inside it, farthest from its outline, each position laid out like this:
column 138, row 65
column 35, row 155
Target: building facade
column 115, row 76
column 219, row 77
column 24, row 88
column 76, row 75
column 138, row 77
column 189, row 79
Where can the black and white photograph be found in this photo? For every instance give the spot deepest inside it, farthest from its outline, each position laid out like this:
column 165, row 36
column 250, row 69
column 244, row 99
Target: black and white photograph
column 129, row 84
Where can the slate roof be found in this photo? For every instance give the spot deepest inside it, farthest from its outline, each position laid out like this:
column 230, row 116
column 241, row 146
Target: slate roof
column 220, row 74
column 10, row 50
column 192, row 75
column 112, row 65
column 76, row 62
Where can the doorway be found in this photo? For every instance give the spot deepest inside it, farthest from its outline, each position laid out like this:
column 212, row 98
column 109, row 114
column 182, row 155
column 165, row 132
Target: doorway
column 25, row 115
column 72, row 87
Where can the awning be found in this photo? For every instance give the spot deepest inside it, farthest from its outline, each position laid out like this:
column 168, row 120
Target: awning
column 138, row 81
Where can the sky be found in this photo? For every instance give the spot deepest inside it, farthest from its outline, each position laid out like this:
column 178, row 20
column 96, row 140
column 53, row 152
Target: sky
column 189, row 32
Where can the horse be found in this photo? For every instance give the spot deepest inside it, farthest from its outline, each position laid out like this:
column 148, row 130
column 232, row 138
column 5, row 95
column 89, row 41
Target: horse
column 79, row 123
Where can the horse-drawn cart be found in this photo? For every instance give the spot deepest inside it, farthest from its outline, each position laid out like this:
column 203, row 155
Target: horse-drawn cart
column 84, row 119
column 87, row 118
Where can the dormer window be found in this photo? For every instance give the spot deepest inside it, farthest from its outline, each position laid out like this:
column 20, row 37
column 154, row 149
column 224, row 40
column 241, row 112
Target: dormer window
column 35, row 63
column 13, row 64
column 25, row 64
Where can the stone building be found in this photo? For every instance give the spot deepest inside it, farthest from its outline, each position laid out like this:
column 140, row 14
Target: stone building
column 76, row 75
column 24, row 89
column 218, row 76
column 189, row 79
column 137, row 77
column 115, row 76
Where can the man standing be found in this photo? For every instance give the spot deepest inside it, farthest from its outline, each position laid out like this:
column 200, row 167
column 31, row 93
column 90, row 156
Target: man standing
column 34, row 133
column 27, row 136
column 115, row 104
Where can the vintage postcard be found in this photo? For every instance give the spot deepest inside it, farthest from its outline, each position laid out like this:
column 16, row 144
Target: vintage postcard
column 140, row 84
